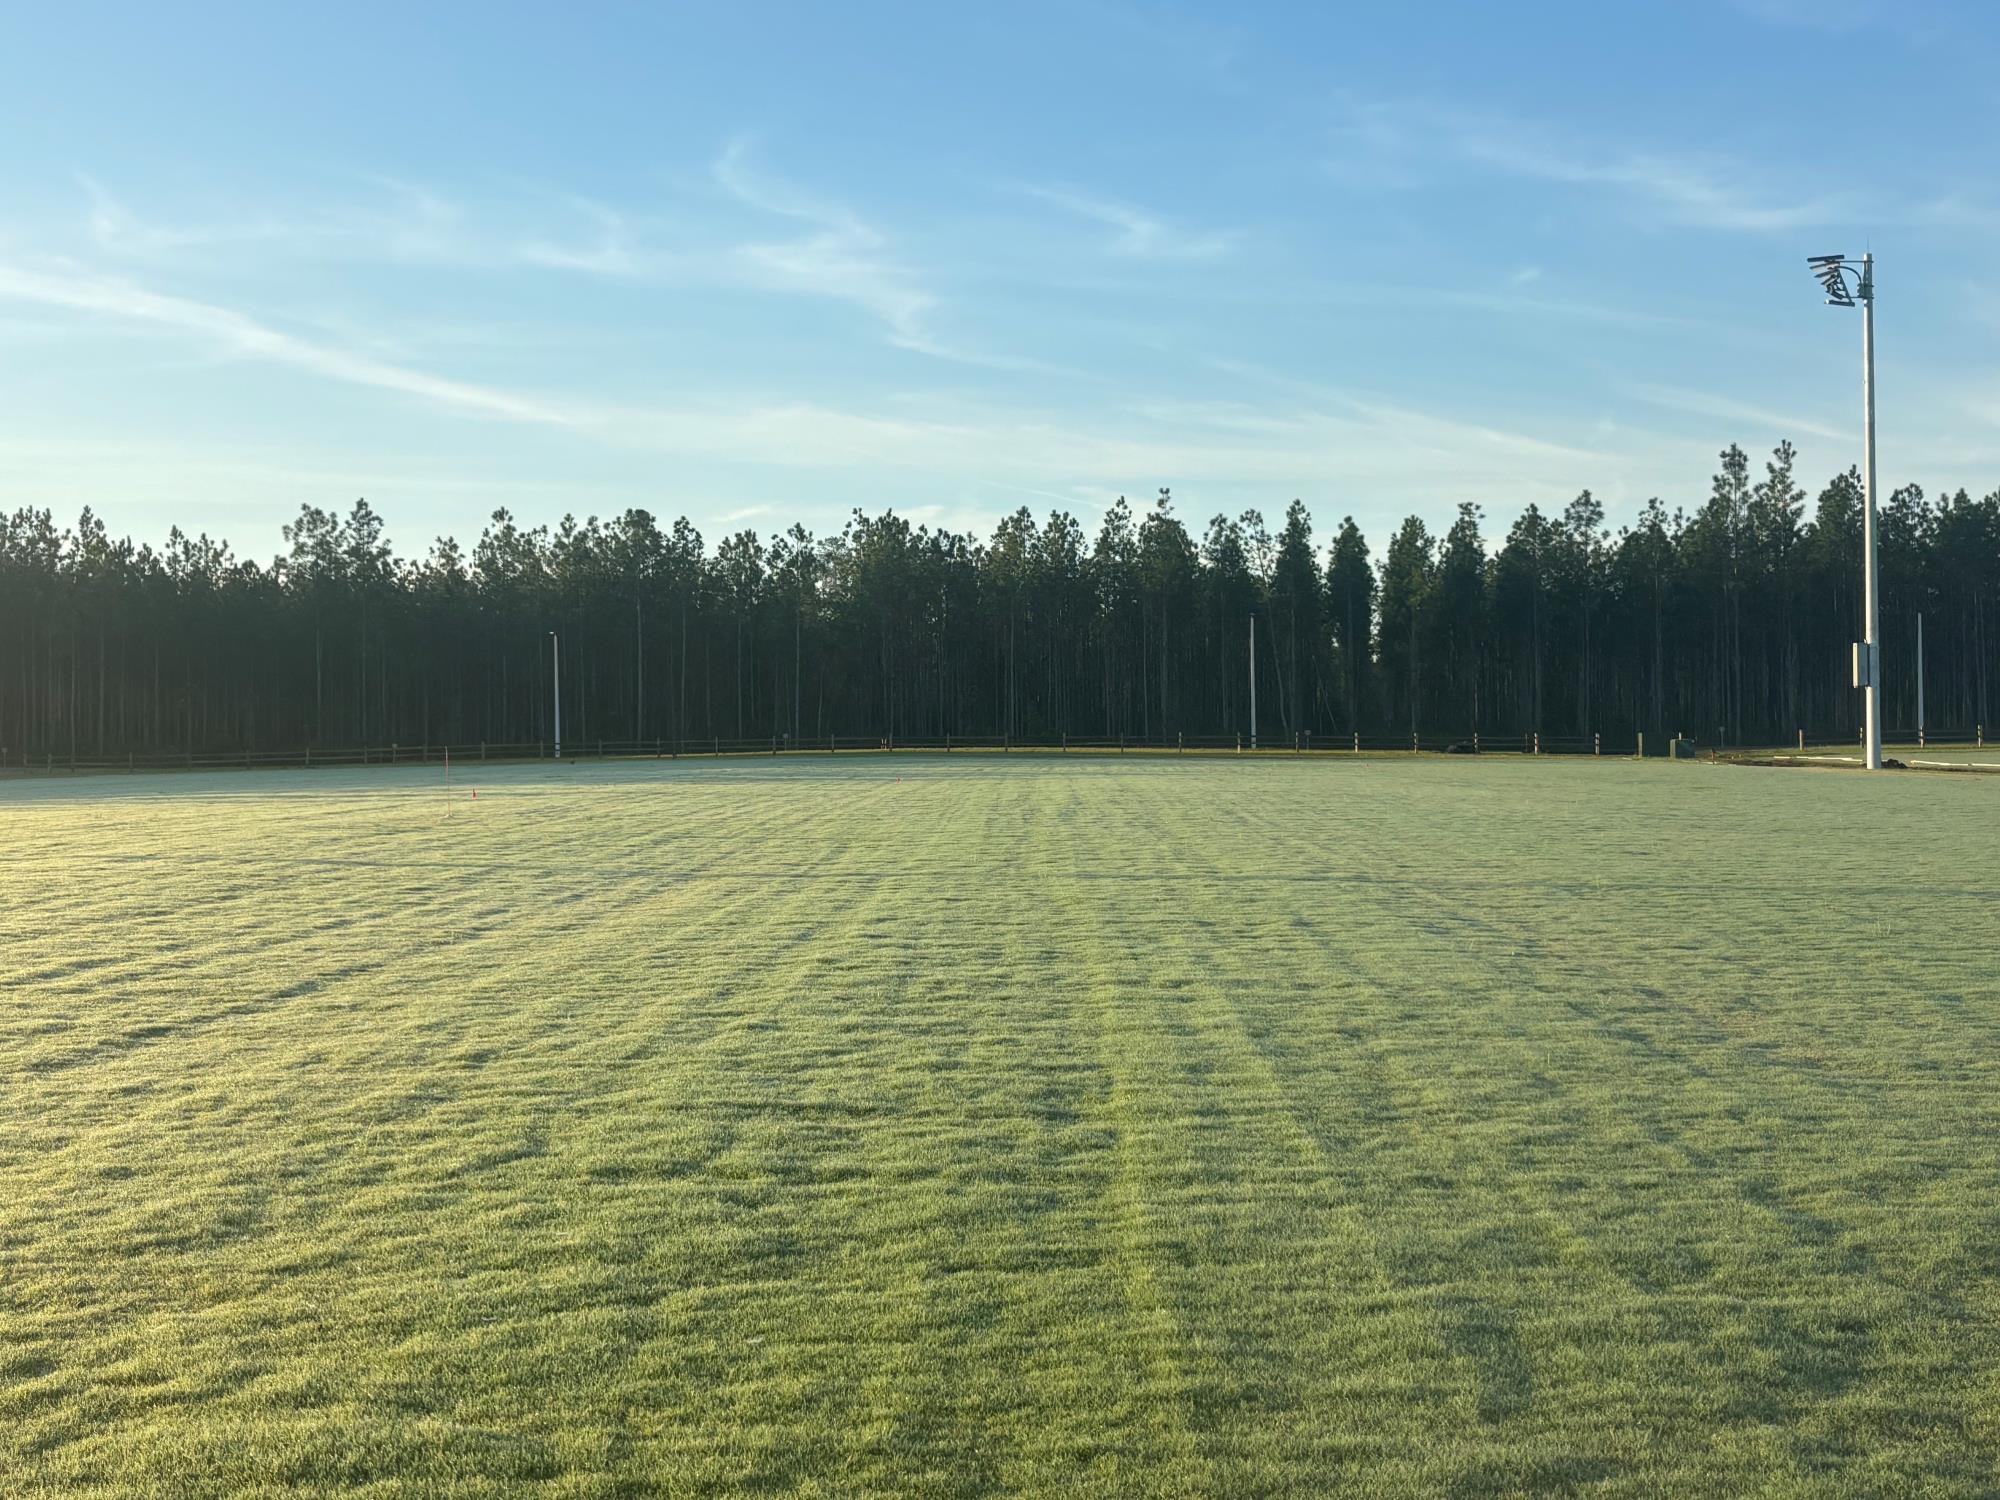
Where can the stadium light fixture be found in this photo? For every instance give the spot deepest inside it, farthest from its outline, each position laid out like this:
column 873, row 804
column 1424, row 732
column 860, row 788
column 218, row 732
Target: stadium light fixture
column 1833, row 272
column 555, row 644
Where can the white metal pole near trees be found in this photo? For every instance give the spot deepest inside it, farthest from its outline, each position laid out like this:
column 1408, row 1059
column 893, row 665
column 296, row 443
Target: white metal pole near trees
column 1920, row 677
column 1874, row 603
column 1253, row 682
column 555, row 643
column 1833, row 271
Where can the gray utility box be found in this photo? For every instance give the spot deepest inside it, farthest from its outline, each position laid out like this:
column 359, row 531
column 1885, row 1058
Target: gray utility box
column 1681, row 749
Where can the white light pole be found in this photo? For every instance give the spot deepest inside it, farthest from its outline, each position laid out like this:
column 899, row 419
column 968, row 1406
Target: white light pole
column 1833, row 271
column 1253, row 682
column 1920, row 679
column 555, row 643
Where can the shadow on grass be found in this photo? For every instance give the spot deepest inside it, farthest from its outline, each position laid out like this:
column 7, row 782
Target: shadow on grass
column 1486, row 1337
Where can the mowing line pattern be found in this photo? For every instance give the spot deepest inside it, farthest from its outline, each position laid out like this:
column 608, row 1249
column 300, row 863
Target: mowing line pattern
column 974, row 1127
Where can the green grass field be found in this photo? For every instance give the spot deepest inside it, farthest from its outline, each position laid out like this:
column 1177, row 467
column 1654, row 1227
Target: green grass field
column 1964, row 755
column 982, row 1126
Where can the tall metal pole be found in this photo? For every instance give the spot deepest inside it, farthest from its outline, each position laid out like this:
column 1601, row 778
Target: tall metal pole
column 1253, row 682
column 555, row 642
column 1920, row 678
column 1872, row 626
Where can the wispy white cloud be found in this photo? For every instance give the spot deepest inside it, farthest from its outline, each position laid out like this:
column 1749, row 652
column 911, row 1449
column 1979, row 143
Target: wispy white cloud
column 394, row 222
column 1512, row 301
column 1370, row 148
column 236, row 333
column 401, row 223
column 1959, row 209
column 614, row 250
column 1312, row 401
column 1079, row 496
column 1313, row 437
column 116, row 230
column 1982, row 303
column 1707, row 194
column 1141, row 235
column 1700, row 191
column 839, row 256
column 756, row 430
column 759, row 430
column 424, row 226
column 1728, row 409
column 843, row 257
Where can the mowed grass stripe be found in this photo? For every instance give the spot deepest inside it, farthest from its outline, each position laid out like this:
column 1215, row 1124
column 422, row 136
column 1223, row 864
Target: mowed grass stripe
column 1273, row 1277
column 975, row 1126
column 1785, row 1311
column 408, row 1127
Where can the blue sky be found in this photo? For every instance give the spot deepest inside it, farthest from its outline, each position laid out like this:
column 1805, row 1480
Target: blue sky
column 765, row 263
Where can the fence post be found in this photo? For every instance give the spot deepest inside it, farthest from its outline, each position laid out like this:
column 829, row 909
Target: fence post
column 1538, row 742
column 1802, row 739
column 1475, row 742
column 1597, row 744
column 1413, row 742
column 1180, row 742
column 1642, row 746
column 1357, row 742
column 1239, row 742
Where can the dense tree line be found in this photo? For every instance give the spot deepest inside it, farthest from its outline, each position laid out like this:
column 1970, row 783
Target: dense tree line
column 1733, row 621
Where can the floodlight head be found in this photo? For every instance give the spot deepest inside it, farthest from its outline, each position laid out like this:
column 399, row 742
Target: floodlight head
column 1831, row 273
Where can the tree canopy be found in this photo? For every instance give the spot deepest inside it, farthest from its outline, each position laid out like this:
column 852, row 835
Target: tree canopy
column 1732, row 621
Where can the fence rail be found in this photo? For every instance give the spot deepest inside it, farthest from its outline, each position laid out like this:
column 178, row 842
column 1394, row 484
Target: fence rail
column 712, row 747
column 1623, row 745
